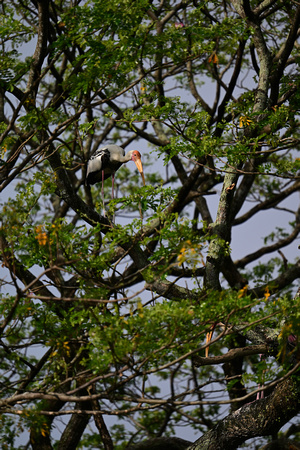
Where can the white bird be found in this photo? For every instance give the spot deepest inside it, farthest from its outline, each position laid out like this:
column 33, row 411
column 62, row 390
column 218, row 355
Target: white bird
column 106, row 161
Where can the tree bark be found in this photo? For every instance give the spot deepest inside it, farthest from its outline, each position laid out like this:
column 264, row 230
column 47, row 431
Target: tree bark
column 73, row 431
column 162, row 443
column 260, row 418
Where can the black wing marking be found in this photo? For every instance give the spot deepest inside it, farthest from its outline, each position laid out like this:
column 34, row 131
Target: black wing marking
column 102, row 153
column 94, row 170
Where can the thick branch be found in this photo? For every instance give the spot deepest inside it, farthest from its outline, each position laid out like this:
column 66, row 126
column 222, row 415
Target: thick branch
column 282, row 56
column 72, row 434
column 231, row 355
column 41, row 46
column 260, row 418
column 278, row 283
column 10, row 261
column 268, row 249
column 221, row 229
column 268, row 203
column 171, row 291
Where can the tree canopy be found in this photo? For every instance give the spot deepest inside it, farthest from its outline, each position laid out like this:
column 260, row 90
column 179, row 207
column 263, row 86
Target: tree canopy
column 145, row 331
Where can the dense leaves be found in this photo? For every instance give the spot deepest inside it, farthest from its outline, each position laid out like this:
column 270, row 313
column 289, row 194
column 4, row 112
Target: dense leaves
column 105, row 321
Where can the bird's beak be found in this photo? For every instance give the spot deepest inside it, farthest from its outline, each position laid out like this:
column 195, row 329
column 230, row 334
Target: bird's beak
column 139, row 166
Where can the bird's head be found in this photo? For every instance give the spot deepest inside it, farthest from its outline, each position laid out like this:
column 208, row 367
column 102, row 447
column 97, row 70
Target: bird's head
column 136, row 157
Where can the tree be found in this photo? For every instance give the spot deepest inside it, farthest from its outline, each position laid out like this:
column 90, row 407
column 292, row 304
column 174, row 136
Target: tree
column 149, row 324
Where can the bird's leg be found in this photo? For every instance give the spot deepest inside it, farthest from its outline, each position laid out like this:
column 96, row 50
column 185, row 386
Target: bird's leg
column 112, row 185
column 112, row 192
column 260, row 394
column 103, row 205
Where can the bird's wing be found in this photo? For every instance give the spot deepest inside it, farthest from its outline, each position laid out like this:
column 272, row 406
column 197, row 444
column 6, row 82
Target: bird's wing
column 95, row 164
column 101, row 154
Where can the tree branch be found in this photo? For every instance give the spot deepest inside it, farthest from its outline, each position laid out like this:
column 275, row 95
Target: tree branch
column 259, row 418
column 41, row 46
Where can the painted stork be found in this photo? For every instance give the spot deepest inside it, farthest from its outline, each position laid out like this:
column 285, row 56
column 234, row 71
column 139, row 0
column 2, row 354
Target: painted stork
column 106, row 161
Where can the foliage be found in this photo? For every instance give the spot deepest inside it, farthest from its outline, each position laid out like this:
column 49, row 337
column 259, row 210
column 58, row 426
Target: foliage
column 107, row 321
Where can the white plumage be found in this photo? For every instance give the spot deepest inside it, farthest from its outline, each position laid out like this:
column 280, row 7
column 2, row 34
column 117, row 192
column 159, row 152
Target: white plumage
column 106, row 161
